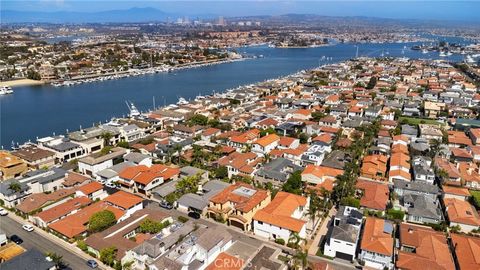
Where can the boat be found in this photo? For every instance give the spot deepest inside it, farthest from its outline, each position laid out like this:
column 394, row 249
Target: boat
column 133, row 110
column 424, row 51
column 182, row 101
column 442, row 54
column 4, row 90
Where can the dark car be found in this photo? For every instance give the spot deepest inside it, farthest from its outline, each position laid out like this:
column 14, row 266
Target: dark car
column 92, row 263
column 166, row 205
column 194, row 215
column 16, row 239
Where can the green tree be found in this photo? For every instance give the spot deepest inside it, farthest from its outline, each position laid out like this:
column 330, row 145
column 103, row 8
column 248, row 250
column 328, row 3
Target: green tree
column 303, row 138
column 221, row 172
column 57, row 260
column 108, row 255
column 151, row 226
column 188, row 184
column 123, row 144
column 198, row 119
column 15, row 186
column 294, row 183
column 371, row 84
column 101, row 221
column 316, row 116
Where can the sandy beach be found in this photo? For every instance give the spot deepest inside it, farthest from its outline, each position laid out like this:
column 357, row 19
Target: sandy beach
column 20, row 82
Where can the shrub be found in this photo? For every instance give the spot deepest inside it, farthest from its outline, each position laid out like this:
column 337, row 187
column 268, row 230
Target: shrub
column 182, row 219
column 395, row 214
column 280, row 241
column 82, row 245
column 101, row 221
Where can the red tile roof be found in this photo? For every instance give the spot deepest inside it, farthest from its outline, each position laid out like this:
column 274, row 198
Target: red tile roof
column 374, row 238
column 123, row 199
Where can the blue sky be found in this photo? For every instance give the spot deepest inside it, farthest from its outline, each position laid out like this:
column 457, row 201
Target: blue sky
column 429, row 10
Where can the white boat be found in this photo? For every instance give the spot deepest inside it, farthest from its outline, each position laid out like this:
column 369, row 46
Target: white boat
column 133, row 110
column 424, row 51
column 182, row 101
column 4, row 90
column 442, row 54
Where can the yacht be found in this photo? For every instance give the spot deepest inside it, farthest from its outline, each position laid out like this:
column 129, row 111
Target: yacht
column 133, row 110
column 182, row 101
column 442, row 54
column 6, row 90
column 424, row 51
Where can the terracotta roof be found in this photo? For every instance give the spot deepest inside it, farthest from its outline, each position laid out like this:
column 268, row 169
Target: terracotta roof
column 460, row 211
column 467, row 250
column 268, row 122
column 431, row 249
column 63, row 209
column 328, row 129
column 305, row 112
column 144, row 175
column 123, row 199
column 460, row 152
column 39, row 200
column 72, row 179
column 90, row 188
column 226, row 261
column 76, row 224
column 242, row 203
column 280, row 210
column 325, row 137
column 286, row 141
column 322, row 171
column 267, row 140
column 375, row 239
column 400, row 173
column 456, row 190
column 246, row 136
column 375, row 195
column 210, row 131
column 458, row 137
column 400, row 160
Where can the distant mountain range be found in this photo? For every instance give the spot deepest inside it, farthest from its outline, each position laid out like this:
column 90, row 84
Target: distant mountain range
column 127, row 15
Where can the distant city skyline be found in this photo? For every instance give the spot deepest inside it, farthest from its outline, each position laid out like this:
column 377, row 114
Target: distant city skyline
column 419, row 10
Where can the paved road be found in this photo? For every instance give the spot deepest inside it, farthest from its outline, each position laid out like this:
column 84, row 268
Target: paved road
column 34, row 240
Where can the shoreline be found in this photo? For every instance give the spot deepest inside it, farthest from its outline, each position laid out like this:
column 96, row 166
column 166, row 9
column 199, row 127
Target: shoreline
column 21, row 82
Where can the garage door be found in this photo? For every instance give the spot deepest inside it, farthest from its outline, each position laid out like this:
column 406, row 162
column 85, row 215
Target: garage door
column 344, row 256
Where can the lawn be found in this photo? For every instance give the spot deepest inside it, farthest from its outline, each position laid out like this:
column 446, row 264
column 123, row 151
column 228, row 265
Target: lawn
column 476, row 198
column 416, row 121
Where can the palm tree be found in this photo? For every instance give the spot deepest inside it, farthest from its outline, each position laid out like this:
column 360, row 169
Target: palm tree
column 15, row 186
column 106, row 136
column 300, row 259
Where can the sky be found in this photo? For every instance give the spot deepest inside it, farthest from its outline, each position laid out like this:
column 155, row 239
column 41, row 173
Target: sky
column 406, row 9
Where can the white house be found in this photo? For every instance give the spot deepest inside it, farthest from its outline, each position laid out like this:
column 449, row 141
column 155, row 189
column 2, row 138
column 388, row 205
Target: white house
column 265, row 144
column 376, row 250
column 99, row 161
column 344, row 234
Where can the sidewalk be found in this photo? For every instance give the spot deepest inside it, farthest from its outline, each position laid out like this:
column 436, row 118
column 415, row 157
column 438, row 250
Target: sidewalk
column 69, row 247
column 321, row 231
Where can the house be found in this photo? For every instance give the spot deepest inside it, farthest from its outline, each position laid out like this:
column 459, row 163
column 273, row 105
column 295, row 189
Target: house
column 376, row 249
column 144, row 179
column 32, row 182
column 458, row 139
column 197, row 250
column 343, row 236
column 452, row 192
column 375, row 195
column 57, row 212
column 288, row 143
column 433, row 109
column 423, row 247
column 265, row 144
column 92, row 190
column 126, row 202
column 283, row 216
column 77, row 224
column 138, row 159
column 374, row 167
column 403, row 188
column 316, row 153
column 430, row 132
column 64, row 149
column 466, row 249
column 244, row 139
column 422, row 170
column 462, row 213
column 421, row 208
column 410, row 131
column 210, row 133
column 475, row 135
column 40, row 201
column 120, row 235
column 320, row 176
column 11, row 166
column 237, row 204
column 35, row 157
column 240, row 163
column 96, row 162
column 199, row 202
column 276, row 171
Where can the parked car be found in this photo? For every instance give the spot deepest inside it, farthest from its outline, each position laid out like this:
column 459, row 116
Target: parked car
column 194, row 215
column 111, row 185
column 3, row 212
column 92, row 263
column 27, row 227
column 166, row 205
column 16, row 239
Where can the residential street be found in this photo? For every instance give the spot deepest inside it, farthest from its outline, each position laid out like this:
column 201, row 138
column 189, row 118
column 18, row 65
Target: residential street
column 35, row 240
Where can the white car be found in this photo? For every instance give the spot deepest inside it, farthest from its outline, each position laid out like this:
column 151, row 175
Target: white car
column 3, row 212
column 27, row 227
column 111, row 185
